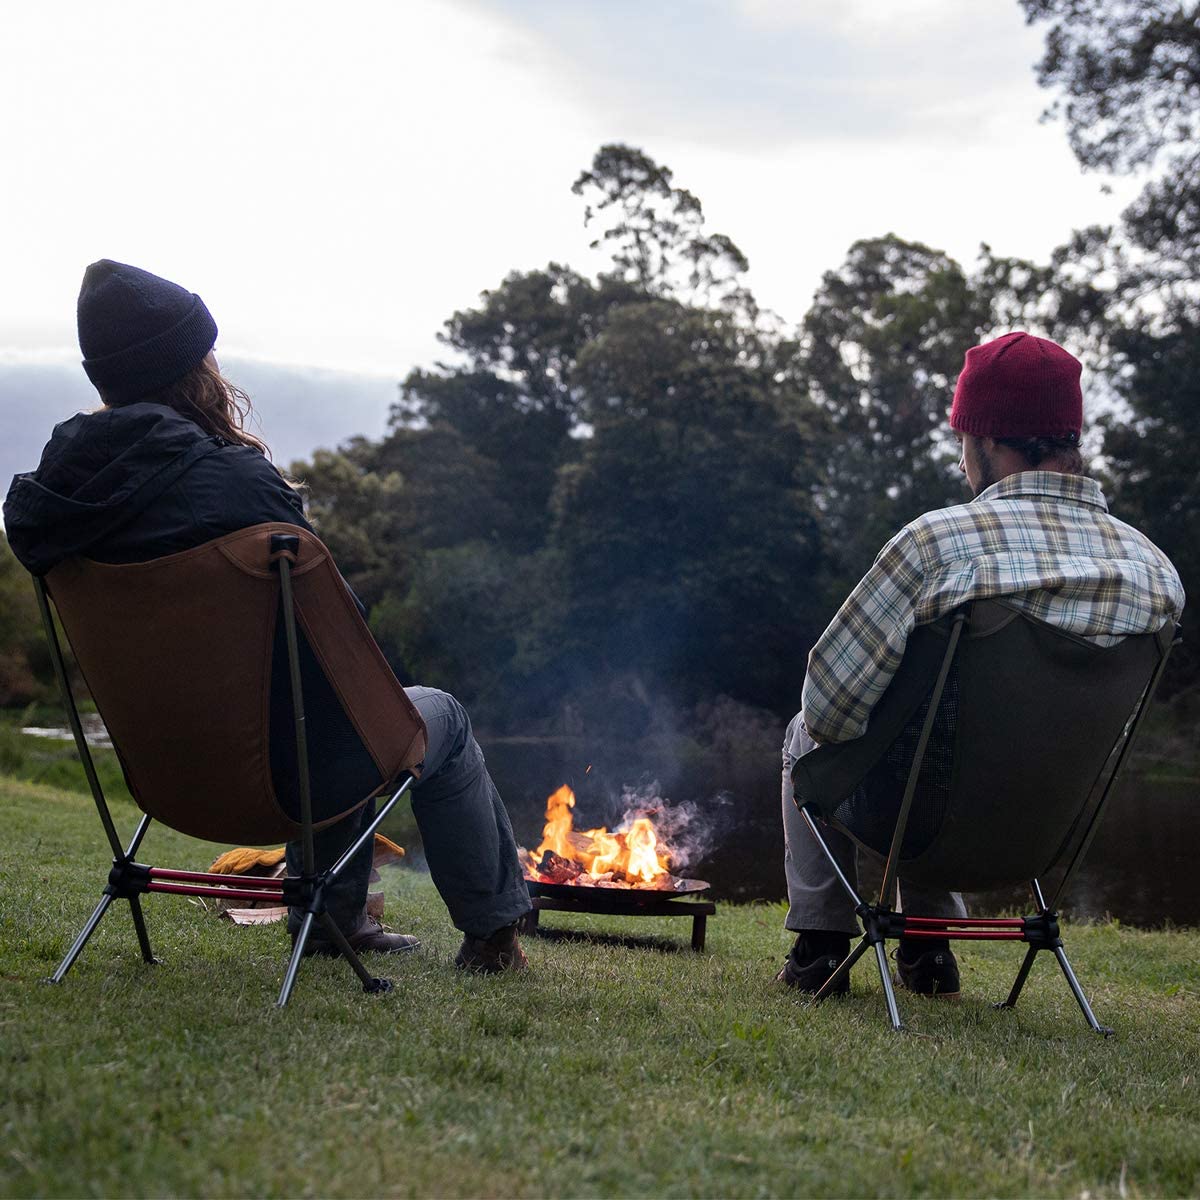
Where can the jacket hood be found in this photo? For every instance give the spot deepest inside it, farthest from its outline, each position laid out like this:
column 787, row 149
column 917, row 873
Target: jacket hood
column 98, row 471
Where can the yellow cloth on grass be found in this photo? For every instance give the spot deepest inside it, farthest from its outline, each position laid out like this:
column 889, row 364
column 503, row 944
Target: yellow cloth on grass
column 246, row 859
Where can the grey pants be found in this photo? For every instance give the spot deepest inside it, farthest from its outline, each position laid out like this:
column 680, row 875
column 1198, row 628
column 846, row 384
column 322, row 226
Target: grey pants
column 816, row 898
column 469, row 843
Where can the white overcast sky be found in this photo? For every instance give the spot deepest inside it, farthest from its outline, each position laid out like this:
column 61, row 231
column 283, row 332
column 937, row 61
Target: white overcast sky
column 336, row 179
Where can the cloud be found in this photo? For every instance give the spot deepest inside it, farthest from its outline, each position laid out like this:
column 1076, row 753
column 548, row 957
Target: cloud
column 774, row 72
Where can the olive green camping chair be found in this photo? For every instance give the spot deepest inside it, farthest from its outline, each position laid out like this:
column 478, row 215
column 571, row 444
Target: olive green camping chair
column 988, row 761
column 201, row 664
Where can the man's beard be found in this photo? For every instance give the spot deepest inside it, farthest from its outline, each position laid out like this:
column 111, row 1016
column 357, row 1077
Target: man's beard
column 987, row 469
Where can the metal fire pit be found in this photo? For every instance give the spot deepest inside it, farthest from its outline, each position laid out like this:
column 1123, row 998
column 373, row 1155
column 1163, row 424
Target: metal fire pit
column 624, row 902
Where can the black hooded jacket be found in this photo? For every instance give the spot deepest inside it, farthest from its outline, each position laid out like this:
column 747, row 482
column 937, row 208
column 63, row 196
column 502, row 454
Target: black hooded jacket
column 134, row 483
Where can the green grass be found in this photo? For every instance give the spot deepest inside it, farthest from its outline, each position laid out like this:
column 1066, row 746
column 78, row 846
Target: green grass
column 607, row 1070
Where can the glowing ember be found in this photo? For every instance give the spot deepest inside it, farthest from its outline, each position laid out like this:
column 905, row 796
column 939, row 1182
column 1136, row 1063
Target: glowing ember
column 626, row 857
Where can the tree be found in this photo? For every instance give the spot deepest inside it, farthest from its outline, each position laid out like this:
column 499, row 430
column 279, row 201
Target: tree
column 1129, row 71
column 1129, row 77
column 687, row 531
column 353, row 506
column 22, row 650
column 654, row 232
column 1151, row 458
column 510, row 396
column 881, row 347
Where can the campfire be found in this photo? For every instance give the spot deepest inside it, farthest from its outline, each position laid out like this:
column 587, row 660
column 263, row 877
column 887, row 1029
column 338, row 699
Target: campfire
column 632, row 856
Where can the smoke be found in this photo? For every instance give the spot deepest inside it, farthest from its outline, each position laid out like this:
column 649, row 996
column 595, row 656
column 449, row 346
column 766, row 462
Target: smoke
column 688, row 831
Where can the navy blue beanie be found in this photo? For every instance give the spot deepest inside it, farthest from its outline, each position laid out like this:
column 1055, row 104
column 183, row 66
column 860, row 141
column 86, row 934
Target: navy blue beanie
column 139, row 333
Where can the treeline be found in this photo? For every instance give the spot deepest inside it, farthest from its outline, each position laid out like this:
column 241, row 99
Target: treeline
column 635, row 492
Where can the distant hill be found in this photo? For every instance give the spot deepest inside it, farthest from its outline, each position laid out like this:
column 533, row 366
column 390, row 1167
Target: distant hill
column 299, row 409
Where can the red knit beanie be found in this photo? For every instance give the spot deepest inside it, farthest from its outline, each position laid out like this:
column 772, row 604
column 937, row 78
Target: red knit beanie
column 1018, row 386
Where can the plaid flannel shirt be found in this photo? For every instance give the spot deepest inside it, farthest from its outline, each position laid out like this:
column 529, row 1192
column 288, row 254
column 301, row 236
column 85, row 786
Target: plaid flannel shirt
column 1043, row 540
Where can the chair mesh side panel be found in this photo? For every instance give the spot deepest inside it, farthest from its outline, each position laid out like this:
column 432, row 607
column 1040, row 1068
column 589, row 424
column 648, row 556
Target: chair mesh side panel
column 341, row 769
column 871, row 810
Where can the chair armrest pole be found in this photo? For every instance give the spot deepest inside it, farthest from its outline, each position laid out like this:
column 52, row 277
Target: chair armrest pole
column 139, row 833
column 81, row 746
column 810, row 821
column 289, row 622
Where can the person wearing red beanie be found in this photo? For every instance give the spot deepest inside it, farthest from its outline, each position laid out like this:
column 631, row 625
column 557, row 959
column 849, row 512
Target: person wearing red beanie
column 1038, row 532
column 1018, row 405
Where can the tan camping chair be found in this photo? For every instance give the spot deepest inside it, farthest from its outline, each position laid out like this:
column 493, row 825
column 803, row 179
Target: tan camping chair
column 201, row 664
column 987, row 762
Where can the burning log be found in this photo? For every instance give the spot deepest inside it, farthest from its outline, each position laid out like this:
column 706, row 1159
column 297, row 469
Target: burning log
column 558, row 869
column 629, row 857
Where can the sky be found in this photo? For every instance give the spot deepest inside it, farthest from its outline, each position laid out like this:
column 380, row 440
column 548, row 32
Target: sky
column 335, row 180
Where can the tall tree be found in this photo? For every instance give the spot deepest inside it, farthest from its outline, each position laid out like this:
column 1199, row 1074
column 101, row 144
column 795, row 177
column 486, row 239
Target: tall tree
column 881, row 347
column 1128, row 77
column 687, row 530
column 22, row 652
column 1127, row 74
column 654, row 232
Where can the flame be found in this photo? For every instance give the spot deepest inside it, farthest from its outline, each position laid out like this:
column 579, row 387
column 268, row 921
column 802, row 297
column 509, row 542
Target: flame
column 643, row 861
column 558, row 823
column 632, row 853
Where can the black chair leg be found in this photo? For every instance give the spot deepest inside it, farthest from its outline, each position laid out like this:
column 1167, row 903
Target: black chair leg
column 139, row 924
column 1077, row 991
column 1019, row 982
column 77, row 946
column 843, row 968
column 289, row 978
column 370, row 982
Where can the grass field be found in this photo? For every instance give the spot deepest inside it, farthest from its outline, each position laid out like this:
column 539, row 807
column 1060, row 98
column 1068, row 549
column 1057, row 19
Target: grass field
column 607, row 1070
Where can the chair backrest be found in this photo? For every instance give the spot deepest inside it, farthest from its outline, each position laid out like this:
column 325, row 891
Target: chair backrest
column 179, row 654
column 1030, row 717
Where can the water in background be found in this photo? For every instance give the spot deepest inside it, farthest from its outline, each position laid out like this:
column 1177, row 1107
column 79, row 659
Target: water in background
column 1140, row 870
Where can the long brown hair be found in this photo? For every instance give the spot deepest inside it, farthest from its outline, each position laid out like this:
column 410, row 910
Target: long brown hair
column 206, row 397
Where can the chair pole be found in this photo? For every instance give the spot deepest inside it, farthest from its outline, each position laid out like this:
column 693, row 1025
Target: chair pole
column 1077, row 991
column 139, row 924
column 81, row 746
column 289, row 978
column 370, row 983
column 1109, row 787
column 1022, row 975
column 842, row 968
column 910, row 788
column 138, row 834
column 289, row 622
column 135, row 904
column 889, row 993
column 377, row 820
column 809, row 814
column 77, row 946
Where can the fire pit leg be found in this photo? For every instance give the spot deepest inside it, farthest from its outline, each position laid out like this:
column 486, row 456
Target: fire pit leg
column 699, row 928
column 529, row 922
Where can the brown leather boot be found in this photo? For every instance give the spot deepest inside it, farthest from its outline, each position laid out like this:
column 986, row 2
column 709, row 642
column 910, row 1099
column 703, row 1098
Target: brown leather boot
column 499, row 952
column 368, row 937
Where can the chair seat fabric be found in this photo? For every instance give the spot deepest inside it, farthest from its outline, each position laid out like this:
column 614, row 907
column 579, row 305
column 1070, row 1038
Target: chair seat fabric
column 183, row 657
column 1027, row 722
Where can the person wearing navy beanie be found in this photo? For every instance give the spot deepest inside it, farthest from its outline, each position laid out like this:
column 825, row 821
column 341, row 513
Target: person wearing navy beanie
column 166, row 465
column 139, row 333
column 1037, row 533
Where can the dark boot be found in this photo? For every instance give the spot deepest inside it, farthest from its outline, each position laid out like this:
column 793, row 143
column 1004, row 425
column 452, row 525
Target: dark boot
column 367, row 937
column 499, row 952
column 814, row 957
column 928, row 969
